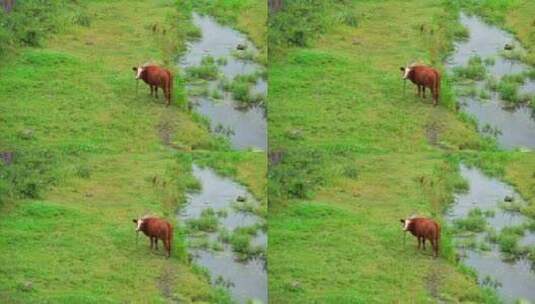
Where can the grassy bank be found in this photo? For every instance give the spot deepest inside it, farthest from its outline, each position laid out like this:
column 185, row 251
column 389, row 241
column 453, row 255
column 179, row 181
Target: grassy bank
column 344, row 244
column 89, row 154
column 352, row 153
column 330, row 95
column 30, row 23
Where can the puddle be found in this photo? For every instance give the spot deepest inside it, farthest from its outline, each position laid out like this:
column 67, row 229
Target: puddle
column 516, row 126
column 248, row 280
column 245, row 127
column 517, row 278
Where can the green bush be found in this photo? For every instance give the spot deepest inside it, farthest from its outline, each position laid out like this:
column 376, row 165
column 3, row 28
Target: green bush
column 28, row 175
column 207, row 222
column 474, row 222
column 301, row 21
column 298, row 175
column 240, row 91
column 31, row 21
column 508, row 90
column 475, row 69
column 207, row 70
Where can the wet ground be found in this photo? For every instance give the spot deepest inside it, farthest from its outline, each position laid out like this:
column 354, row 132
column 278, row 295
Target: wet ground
column 516, row 125
column 246, row 127
column 246, row 280
column 516, row 278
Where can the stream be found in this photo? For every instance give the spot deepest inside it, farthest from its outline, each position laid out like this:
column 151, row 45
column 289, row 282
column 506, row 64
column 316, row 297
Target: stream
column 245, row 280
column 515, row 126
column 245, row 126
column 515, row 278
column 508, row 271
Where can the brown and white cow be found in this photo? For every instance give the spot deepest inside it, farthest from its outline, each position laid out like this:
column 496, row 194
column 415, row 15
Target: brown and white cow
column 156, row 77
column 423, row 77
column 423, row 229
column 156, row 228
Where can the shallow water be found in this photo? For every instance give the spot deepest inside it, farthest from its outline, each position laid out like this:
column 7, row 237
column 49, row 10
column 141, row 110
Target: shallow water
column 249, row 279
column 517, row 126
column 517, row 278
column 249, row 126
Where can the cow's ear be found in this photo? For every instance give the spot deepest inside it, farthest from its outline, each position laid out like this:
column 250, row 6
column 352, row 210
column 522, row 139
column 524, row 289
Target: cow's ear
column 134, row 220
column 402, row 220
column 134, row 69
column 402, row 68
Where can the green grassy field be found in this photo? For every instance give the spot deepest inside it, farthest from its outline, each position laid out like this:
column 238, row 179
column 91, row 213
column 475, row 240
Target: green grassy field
column 91, row 153
column 352, row 153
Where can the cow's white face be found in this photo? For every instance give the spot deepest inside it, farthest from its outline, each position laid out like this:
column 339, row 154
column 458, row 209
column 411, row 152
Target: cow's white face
column 406, row 72
column 406, row 224
column 138, row 72
column 139, row 223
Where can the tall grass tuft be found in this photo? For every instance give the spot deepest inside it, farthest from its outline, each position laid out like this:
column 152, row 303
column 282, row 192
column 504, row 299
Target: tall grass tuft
column 31, row 21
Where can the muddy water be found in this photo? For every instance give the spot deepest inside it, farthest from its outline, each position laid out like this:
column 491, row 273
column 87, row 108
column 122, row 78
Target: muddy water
column 517, row 278
column 247, row 125
column 247, row 280
column 516, row 126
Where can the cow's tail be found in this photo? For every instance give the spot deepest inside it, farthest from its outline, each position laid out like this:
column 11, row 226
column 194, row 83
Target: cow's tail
column 437, row 239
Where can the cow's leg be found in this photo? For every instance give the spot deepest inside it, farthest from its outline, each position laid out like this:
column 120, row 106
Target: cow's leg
column 168, row 96
column 433, row 245
column 423, row 242
column 151, row 90
column 419, row 242
column 156, row 243
column 156, row 89
column 167, row 246
column 151, row 242
column 423, row 91
column 419, row 88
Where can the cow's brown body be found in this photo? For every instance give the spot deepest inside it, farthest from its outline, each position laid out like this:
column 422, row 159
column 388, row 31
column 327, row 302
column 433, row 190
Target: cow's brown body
column 156, row 228
column 156, row 77
column 424, row 77
column 424, row 229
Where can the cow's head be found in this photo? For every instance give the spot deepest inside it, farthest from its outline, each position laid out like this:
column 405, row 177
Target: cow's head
column 406, row 223
column 139, row 223
column 138, row 70
column 405, row 71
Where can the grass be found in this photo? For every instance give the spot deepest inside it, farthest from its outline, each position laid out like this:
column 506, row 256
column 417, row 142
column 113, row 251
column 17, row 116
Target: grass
column 357, row 102
column 508, row 240
column 508, row 91
column 352, row 225
column 30, row 23
column 475, row 70
column 475, row 221
column 240, row 241
column 241, row 88
column 351, row 154
column 90, row 155
column 207, row 70
column 207, row 222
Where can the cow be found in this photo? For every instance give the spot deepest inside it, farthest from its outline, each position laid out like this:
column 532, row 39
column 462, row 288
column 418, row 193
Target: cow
column 156, row 228
column 423, row 228
column 423, row 77
column 156, row 77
